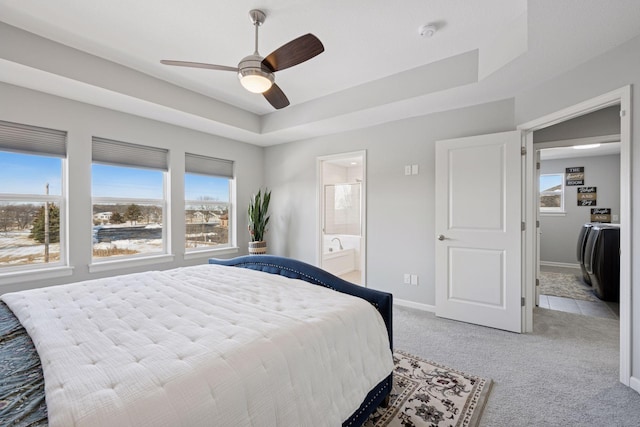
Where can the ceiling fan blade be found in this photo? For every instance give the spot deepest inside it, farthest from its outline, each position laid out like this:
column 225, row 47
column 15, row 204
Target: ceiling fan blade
column 293, row 53
column 199, row 65
column 276, row 97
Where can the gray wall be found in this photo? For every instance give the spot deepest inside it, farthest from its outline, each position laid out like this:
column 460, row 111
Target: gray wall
column 599, row 123
column 400, row 211
column 559, row 233
column 82, row 121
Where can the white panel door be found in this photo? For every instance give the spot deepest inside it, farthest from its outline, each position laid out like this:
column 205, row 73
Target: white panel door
column 478, row 230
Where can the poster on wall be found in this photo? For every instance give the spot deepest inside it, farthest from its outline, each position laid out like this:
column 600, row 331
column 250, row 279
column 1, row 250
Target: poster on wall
column 601, row 215
column 587, row 196
column 574, row 176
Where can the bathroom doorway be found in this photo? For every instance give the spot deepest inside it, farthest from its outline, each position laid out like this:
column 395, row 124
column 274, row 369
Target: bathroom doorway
column 342, row 215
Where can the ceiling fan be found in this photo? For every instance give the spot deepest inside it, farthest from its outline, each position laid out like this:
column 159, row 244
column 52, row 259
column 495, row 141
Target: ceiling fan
column 256, row 73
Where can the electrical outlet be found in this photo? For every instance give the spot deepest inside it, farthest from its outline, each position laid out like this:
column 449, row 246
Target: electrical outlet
column 414, row 169
column 407, row 169
column 414, row 279
column 407, row 278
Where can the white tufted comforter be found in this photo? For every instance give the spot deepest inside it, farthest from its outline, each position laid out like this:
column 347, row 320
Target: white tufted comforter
column 203, row 346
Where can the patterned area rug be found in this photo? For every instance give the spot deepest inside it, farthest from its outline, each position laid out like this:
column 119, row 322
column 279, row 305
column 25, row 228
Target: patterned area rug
column 565, row 285
column 426, row 394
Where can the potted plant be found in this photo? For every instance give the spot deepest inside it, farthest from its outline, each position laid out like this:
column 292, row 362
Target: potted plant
column 258, row 220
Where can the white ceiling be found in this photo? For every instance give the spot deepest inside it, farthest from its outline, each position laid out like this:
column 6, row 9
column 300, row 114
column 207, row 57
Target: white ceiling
column 605, row 149
column 375, row 68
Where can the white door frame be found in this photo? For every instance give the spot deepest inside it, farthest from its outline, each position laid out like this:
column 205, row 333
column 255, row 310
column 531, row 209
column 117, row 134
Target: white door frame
column 620, row 96
column 363, row 207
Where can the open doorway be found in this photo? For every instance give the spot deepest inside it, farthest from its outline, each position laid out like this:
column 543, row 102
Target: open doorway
column 579, row 186
column 342, row 215
column 620, row 99
column 567, row 206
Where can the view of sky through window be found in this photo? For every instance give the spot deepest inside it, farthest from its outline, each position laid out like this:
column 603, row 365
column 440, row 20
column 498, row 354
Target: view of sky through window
column 126, row 182
column 199, row 187
column 547, row 182
column 29, row 174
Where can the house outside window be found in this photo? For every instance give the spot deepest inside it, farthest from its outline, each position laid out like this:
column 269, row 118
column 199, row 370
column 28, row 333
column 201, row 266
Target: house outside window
column 129, row 207
column 32, row 198
column 208, row 206
column 552, row 193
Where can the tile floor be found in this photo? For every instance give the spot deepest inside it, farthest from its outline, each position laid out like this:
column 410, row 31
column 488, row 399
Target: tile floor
column 606, row 309
column 353, row 277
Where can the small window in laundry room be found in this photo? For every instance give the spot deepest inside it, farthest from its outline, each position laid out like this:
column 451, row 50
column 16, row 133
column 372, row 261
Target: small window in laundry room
column 552, row 193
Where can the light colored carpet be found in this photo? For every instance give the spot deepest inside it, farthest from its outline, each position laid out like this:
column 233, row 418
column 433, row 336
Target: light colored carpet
column 565, row 285
column 565, row 373
column 428, row 394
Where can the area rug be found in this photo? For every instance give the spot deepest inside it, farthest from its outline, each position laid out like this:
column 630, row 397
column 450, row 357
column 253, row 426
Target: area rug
column 565, row 285
column 427, row 394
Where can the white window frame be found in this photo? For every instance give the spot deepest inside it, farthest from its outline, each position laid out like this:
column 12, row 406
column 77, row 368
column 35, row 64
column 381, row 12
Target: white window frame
column 148, row 258
column 214, row 168
column 32, row 140
column 553, row 210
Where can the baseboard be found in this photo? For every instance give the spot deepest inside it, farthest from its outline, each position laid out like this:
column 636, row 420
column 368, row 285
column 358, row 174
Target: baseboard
column 634, row 383
column 416, row 305
column 559, row 264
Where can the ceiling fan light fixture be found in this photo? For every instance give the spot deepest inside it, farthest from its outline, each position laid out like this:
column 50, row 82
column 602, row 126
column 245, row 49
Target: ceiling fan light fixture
column 256, row 81
column 253, row 76
column 256, row 73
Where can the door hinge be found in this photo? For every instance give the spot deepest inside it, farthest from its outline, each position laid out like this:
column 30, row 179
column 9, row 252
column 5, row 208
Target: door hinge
column 537, row 224
column 523, row 151
column 537, row 282
column 523, row 226
column 623, row 113
column 522, row 301
column 538, row 166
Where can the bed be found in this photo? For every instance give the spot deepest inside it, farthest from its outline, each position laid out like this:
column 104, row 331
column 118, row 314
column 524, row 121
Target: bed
column 216, row 344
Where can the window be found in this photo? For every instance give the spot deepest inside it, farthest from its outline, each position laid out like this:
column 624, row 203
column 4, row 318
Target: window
column 129, row 203
column 32, row 209
column 208, row 209
column 552, row 193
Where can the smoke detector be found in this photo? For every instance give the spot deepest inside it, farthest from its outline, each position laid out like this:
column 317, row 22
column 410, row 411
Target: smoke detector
column 428, row 30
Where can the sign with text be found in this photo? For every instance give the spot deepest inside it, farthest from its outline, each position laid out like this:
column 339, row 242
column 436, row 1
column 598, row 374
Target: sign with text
column 601, row 215
column 575, row 175
column 587, row 196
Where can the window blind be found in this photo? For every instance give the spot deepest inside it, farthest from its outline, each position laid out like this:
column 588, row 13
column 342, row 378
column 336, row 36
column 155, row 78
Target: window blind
column 110, row 152
column 29, row 139
column 208, row 165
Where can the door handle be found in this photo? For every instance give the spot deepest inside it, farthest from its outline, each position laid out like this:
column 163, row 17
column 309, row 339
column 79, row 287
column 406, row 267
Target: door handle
column 441, row 237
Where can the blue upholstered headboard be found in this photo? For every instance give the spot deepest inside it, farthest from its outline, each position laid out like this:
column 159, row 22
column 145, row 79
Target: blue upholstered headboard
column 295, row 269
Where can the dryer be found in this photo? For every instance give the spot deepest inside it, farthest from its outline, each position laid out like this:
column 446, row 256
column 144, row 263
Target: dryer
column 583, row 236
column 602, row 260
